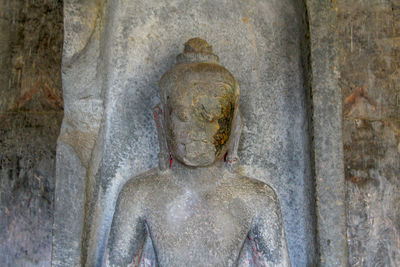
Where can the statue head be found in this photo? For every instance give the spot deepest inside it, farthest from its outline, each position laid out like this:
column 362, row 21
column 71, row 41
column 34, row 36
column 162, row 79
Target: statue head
column 199, row 99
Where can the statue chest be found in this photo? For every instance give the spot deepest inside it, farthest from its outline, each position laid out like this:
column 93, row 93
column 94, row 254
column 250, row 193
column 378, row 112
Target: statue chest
column 199, row 230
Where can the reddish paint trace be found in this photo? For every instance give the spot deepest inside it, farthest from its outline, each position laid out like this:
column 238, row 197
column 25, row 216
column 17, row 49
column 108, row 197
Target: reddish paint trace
column 51, row 98
column 353, row 99
column 171, row 159
column 257, row 255
column 155, row 114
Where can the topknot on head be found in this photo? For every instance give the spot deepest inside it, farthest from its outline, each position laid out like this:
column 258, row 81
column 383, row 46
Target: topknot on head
column 197, row 50
column 197, row 45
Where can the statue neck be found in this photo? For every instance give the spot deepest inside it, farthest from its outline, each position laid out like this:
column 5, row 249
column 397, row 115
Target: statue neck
column 195, row 176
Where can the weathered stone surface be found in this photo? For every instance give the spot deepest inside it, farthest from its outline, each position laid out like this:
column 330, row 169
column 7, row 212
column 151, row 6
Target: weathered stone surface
column 30, row 106
column 327, row 124
column 196, row 212
column 369, row 34
column 117, row 72
column 83, row 108
column 72, row 184
column 30, row 117
column 27, row 145
column 362, row 37
column 31, row 54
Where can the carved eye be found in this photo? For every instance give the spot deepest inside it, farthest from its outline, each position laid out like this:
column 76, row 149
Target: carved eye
column 209, row 116
column 225, row 87
column 182, row 114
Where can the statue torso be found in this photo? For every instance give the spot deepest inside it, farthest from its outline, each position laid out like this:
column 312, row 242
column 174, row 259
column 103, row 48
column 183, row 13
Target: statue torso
column 199, row 225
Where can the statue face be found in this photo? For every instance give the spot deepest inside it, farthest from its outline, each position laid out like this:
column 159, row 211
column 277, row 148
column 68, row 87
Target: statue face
column 199, row 118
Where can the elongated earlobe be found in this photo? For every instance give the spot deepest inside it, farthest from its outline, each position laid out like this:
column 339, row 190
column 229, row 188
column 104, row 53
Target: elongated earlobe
column 164, row 155
column 233, row 160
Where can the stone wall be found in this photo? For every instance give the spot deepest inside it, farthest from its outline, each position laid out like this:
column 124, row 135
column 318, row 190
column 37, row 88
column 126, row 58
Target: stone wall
column 364, row 36
column 327, row 134
column 31, row 110
column 369, row 56
column 114, row 55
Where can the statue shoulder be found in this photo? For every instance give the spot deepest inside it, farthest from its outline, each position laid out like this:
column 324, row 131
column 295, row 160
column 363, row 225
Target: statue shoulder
column 140, row 185
column 260, row 192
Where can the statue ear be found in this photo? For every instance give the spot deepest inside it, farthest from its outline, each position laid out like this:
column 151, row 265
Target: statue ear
column 164, row 155
column 233, row 160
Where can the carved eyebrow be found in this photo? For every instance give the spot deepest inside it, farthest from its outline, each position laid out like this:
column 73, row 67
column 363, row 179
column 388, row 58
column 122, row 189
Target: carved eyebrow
column 226, row 86
column 180, row 106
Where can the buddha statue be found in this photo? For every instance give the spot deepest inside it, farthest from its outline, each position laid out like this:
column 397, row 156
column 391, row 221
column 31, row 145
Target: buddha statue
column 196, row 209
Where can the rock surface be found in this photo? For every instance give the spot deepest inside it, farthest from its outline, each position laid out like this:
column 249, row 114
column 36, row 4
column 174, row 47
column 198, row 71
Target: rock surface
column 327, row 133
column 30, row 116
column 111, row 85
column 113, row 58
column 369, row 34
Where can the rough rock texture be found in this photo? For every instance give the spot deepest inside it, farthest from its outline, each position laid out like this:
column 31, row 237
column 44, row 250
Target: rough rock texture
column 27, row 145
column 114, row 55
column 354, row 55
column 369, row 45
column 196, row 212
column 84, row 79
column 30, row 116
column 327, row 124
column 113, row 59
column 31, row 46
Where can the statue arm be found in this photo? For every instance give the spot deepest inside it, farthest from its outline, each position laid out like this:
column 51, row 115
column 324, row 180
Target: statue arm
column 267, row 235
column 127, row 232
